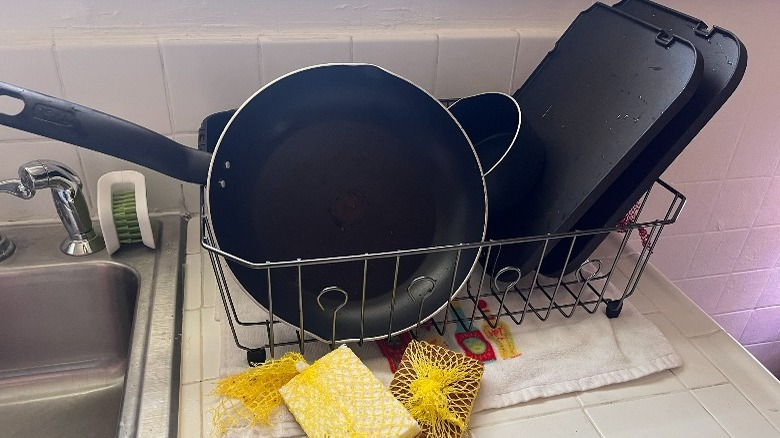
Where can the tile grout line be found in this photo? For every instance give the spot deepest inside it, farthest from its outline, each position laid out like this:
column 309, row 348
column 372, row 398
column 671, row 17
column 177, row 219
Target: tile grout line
column 527, row 418
column 753, row 405
column 166, row 85
column 436, row 65
column 592, row 422
column 712, row 415
column 514, row 65
column 714, row 418
column 58, row 68
column 693, row 256
column 684, row 389
column 741, row 132
column 258, row 41
column 91, row 200
column 201, row 425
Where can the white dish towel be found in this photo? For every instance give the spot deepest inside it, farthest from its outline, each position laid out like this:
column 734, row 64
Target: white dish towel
column 532, row 360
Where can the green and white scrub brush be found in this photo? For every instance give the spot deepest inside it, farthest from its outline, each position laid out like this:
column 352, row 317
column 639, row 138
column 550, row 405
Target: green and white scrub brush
column 122, row 209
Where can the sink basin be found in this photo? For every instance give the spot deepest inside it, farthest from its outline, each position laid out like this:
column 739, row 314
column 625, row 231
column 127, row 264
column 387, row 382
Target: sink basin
column 89, row 346
column 65, row 347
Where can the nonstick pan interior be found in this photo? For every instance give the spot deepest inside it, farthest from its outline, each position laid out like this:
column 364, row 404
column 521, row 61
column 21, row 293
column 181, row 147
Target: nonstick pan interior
column 347, row 159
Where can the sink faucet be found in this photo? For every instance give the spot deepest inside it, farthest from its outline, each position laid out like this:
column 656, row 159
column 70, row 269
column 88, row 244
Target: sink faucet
column 69, row 201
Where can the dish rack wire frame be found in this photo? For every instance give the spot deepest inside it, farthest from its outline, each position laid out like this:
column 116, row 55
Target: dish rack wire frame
column 575, row 287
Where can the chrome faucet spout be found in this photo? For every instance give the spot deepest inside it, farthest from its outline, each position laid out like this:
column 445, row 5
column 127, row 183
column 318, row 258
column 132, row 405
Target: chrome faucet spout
column 16, row 188
column 66, row 190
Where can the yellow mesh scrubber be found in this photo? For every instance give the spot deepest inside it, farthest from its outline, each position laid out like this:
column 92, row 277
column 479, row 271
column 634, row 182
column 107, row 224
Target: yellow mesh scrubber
column 251, row 396
column 438, row 387
column 338, row 396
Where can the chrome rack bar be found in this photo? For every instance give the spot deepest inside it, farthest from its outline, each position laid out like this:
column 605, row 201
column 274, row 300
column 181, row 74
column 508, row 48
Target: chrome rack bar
column 586, row 288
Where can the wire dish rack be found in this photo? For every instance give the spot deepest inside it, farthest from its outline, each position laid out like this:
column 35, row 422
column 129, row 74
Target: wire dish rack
column 539, row 296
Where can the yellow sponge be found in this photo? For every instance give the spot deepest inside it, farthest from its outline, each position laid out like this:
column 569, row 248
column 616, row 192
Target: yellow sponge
column 338, row 396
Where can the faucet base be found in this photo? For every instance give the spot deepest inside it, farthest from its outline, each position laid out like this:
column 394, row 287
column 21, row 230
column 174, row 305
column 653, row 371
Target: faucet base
column 81, row 247
column 7, row 247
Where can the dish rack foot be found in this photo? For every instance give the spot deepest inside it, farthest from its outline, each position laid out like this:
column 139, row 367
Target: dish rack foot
column 613, row 308
column 255, row 356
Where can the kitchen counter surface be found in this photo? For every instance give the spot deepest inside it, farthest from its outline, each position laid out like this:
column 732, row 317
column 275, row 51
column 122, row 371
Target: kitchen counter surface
column 720, row 391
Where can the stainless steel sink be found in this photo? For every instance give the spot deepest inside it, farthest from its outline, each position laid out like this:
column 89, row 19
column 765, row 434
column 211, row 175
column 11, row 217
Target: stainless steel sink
column 89, row 346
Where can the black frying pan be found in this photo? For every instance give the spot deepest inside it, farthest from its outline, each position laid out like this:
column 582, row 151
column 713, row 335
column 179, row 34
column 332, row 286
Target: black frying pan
column 330, row 160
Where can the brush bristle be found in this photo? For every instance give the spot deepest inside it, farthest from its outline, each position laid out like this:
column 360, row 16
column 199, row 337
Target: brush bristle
column 125, row 217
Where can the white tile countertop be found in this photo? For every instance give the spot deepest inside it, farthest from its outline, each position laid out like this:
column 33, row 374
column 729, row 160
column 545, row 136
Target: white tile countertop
column 720, row 391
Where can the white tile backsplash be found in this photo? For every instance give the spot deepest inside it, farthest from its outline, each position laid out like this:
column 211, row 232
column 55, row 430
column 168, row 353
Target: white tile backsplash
column 701, row 200
column 673, row 254
column 393, row 52
column 685, row 313
column 761, row 249
column 762, row 327
column 475, row 62
column 704, row 291
column 707, row 157
column 716, row 254
column 733, row 323
column 534, row 46
column 739, row 201
column 770, row 296
column 757, row 152
column 742, row 291
column 768, row 355
column 124, row 80
column 279, row 56
column 208, row 76
column 769, row 213
column 32, row 67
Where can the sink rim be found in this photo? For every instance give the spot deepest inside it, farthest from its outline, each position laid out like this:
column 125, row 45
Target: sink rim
column 150, row 398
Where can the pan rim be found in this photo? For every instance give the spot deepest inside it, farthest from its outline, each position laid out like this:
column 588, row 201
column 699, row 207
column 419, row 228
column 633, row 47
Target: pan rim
column 214, row 160
column 516, row 105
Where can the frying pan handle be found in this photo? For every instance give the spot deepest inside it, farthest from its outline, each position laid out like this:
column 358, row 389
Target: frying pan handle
column 72, row 123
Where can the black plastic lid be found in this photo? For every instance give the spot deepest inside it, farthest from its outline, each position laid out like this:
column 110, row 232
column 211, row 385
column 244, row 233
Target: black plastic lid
column 594, row 103
column 725, row 61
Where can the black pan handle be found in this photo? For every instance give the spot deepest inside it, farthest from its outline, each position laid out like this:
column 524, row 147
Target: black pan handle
column 79, row 125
